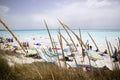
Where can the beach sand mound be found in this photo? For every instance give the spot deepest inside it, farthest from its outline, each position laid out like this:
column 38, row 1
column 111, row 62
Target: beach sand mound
column 20, row 59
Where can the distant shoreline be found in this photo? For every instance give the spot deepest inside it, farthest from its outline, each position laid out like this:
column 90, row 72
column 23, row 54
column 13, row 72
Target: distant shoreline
column 61, row 29
column 2, row 30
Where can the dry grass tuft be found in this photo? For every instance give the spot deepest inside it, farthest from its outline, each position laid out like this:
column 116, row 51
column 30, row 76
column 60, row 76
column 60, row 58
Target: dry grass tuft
column 49, row 71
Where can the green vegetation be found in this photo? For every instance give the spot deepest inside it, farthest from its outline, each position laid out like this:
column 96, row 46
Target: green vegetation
column 49, row 71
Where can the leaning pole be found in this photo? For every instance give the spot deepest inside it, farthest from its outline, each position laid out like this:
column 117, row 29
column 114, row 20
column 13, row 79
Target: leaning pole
column 13, row 35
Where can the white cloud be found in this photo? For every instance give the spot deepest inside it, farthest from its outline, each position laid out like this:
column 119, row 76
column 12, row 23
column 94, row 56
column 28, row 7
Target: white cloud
column 92, row 14
column 98, row 3
column 86, row 14
column 3, row 10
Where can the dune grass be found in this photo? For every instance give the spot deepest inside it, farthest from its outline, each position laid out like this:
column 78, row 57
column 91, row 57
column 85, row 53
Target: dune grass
column 49, row 71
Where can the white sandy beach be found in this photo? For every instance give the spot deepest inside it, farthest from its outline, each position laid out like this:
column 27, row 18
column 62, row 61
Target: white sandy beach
column 44, row 41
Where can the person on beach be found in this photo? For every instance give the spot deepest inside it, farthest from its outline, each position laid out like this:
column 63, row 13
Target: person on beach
column 23, row 44
column 9, row 40
column 50, row 49
column 12, row 40
column 15, row 50
column 105, row 52
column 1, row 40
column 87, row 44
column 6, row 40
column 90, row 48
column 67, row 59
column 115, row 55
column 27, row 44
column 77, row 45
column 88, row 69
column 83, row 54
column 33, row 38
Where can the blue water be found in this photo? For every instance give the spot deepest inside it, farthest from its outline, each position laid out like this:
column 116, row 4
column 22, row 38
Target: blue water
column 41, row 36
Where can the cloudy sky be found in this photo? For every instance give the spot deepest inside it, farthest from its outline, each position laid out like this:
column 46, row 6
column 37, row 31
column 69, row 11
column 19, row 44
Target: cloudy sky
column 84, row 14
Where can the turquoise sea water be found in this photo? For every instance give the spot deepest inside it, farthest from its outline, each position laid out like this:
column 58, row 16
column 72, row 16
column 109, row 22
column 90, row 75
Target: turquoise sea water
column 41, row 36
